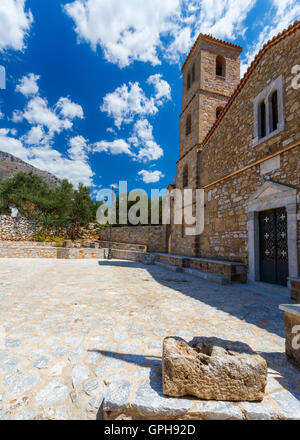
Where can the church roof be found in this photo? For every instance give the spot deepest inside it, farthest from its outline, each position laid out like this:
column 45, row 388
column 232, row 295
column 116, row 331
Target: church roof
column 212, row 39
column 284, row 34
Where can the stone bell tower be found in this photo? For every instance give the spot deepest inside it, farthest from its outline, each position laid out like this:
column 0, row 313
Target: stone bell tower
column 211, row 73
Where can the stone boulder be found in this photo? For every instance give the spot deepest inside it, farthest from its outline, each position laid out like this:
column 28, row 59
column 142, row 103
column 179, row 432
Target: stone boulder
column 213, row 369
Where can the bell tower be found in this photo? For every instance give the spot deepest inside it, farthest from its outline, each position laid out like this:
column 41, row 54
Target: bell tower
column 211, row 73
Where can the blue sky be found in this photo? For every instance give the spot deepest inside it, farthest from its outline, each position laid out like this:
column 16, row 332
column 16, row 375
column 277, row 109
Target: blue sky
column 93, row 88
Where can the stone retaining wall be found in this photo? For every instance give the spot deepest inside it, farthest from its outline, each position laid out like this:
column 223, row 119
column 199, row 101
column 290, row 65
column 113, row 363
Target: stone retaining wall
column 17, row 229
column 154, row 237
column 28, row 252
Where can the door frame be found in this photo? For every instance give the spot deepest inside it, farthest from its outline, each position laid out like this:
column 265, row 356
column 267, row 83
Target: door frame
column 271, row 196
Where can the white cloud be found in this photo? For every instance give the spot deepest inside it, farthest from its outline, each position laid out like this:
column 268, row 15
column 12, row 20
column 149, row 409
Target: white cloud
column 35, row 136
column 142, row 138
column 75, row 169
column 128, row 31
column 151, row 176
column 126, row 102
column 129, row 101
column 38, row 113
column 15, row 23
column 1, row 115
column 283, row 13
column 28, row 85
column 118, row 146
column 11, row 145
column 162, row 88
column 78, row 148
column 69, row 109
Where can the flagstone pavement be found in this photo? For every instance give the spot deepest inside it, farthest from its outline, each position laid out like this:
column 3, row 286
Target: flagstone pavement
column 72, row 329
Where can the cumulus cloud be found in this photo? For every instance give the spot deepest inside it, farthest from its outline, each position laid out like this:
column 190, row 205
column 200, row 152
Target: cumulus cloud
column 28, row 85
column 75, row 169
column 143, row 139
column 130, row 100
column 38, row 113
column 162, row 88
column 151, row 176
column 140, row 146
column 282, row 14
column 118, row 146
column 78, row 148
column 126, row 102
column 69, row 109
column 127, row 32
column 35, row 136
column 15, row 23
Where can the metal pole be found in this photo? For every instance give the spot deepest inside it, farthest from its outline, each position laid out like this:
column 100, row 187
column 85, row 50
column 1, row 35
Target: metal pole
column 109, row 257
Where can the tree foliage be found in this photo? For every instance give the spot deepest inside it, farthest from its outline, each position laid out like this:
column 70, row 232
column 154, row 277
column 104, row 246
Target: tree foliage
column 57, row 206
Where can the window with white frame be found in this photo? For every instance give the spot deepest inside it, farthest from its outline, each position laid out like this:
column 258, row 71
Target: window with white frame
column 269, row 116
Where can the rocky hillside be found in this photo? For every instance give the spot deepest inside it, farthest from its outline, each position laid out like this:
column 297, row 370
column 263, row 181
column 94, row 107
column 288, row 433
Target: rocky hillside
column 10, row 165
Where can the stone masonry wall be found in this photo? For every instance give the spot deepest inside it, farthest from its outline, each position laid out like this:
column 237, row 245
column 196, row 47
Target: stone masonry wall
column 226, row 219
column 152, row 236
column 17, row 229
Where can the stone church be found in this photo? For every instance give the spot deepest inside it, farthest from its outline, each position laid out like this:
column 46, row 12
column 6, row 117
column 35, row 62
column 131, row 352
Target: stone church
column 239, row 141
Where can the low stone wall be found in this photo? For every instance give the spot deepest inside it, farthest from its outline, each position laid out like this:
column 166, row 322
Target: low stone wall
column 154, row 237
column 28, row 252
column 80, row 254
column 17, row 229
column 124, row 246
column 234, row 272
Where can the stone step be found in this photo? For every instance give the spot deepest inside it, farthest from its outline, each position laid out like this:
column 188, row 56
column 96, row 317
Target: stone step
column 124, row 246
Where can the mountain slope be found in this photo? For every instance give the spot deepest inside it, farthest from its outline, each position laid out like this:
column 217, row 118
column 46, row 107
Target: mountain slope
column 10, row 165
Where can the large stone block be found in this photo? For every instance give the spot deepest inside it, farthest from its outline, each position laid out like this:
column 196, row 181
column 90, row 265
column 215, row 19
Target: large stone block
column 213, row 369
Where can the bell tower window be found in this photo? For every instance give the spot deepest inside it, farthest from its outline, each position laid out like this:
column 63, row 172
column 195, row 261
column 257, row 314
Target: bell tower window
column 188, row 125
column 185, row 177
column 188, row 85
column 218, row 112
column 220, row 66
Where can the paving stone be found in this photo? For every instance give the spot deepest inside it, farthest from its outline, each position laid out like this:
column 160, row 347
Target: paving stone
column 9, row 365
column 259, row 411
column 26, row 415
column 59, row 351
column 93, row 358
column 80, row 373
column 57, row 369
column 77, row 354
column 3, row 415
column 11, row 378
column 90, row 385
column 41, row 363
column 149, row 399
column 250, row 316
column 24, row 384
column 117, row 395
column 289, row 406
column 54, row 392
column 96, row 403
column 11, row 343
column 218, row 411
column 3, row 354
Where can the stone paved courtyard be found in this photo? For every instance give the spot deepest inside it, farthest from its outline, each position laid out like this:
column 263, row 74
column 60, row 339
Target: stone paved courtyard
column 73, row 330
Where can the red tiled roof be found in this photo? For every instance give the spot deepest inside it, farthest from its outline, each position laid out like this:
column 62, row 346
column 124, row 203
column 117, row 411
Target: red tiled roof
column 210, row 38
column 286, row 33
